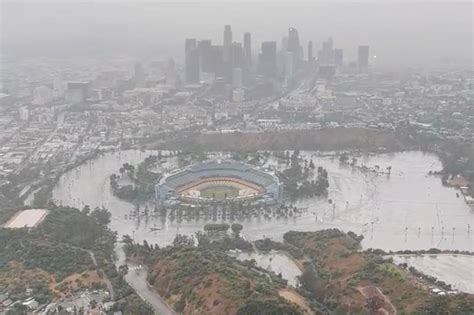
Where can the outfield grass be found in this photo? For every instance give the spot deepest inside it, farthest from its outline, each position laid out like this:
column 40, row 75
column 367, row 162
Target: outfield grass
column 219, row 192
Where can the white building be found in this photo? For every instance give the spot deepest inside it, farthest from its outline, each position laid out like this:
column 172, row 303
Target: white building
column 24, row 113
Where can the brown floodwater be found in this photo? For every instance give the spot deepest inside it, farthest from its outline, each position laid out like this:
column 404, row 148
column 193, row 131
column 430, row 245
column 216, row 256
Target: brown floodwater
column 407, row 209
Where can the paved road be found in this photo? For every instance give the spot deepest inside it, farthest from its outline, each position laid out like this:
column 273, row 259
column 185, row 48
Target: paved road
column 109, row 285
column 136, row 278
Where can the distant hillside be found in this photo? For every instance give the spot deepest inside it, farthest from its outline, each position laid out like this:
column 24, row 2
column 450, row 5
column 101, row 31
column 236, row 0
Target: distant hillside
column 324, row 139
column 349, row 281
column 68, row 251
column 206, row 281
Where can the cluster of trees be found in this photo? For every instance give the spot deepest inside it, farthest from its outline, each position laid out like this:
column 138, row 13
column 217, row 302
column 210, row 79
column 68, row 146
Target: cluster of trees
column 6, row 214
column 216, row 228
column 144, row 176
column 266, row 245
column 457, row 304
column 78, row 228
column 267, row 307
column 33, row 251
column 224, row 243
column 57, row 246
column 147, row 253
column 62, row 245
column 127, row 169
column 296, row 178
column 183, row 270
column 143, row 180
column 138, row 251
column 344, row 158
column 133, row 304
column 126, row 192
column 431, row 251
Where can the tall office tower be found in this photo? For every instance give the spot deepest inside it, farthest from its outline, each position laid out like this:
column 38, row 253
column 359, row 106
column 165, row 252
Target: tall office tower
column 237, row 55
column 237, row 78
column 205, row 55
column 294, row 47
column 289, row 64
column 191, row 61
column 247, row 50
column 217, row 53
column 326, row 54
column 189, row 44
column 338, row 57
column 327, row 45
column 284, row 43
column 139, row 75
column 310, row 52
column 268, row 59
column 363, row 58
column 227, row 43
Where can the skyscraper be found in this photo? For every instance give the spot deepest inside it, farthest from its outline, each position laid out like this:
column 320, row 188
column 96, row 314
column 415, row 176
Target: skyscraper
column 205, row 54
column 227, row 43
column 247, row 50
column 310, row 52
column 294, row 47
column 363, row 58
column 327, row 45
column 237, row 55
column 217, row 54
column 267, row 59
column 191, row 61
column 289, row 64
column 326, row 54
column 189, row 44
column 338, row 57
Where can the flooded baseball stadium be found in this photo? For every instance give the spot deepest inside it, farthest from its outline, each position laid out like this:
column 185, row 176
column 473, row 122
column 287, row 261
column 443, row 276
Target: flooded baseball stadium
column 406, row 209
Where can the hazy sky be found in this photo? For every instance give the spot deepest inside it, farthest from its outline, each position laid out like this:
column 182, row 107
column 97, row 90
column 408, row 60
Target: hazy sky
column 399, row 32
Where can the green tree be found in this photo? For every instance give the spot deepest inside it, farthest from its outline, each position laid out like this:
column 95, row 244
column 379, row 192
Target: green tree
column 236, row 229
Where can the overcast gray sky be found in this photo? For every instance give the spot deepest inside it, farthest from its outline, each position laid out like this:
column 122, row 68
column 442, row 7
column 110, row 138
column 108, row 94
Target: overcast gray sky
column 399, row 32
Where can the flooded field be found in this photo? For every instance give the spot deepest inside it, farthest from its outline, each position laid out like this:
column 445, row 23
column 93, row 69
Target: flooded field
column 275, row 262
column 456, row 270
column 407, row 209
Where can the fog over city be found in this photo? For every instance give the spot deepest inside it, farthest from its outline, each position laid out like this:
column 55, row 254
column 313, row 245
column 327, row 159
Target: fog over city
column 236, row 157
column 394, row 29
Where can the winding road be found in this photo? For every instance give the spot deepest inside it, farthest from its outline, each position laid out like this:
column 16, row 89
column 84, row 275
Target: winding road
column 109, row 285
column 136, row 278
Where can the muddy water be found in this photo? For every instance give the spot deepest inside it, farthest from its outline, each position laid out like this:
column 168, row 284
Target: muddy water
column 404, row 210
column 456, row 270
column 275, row 262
